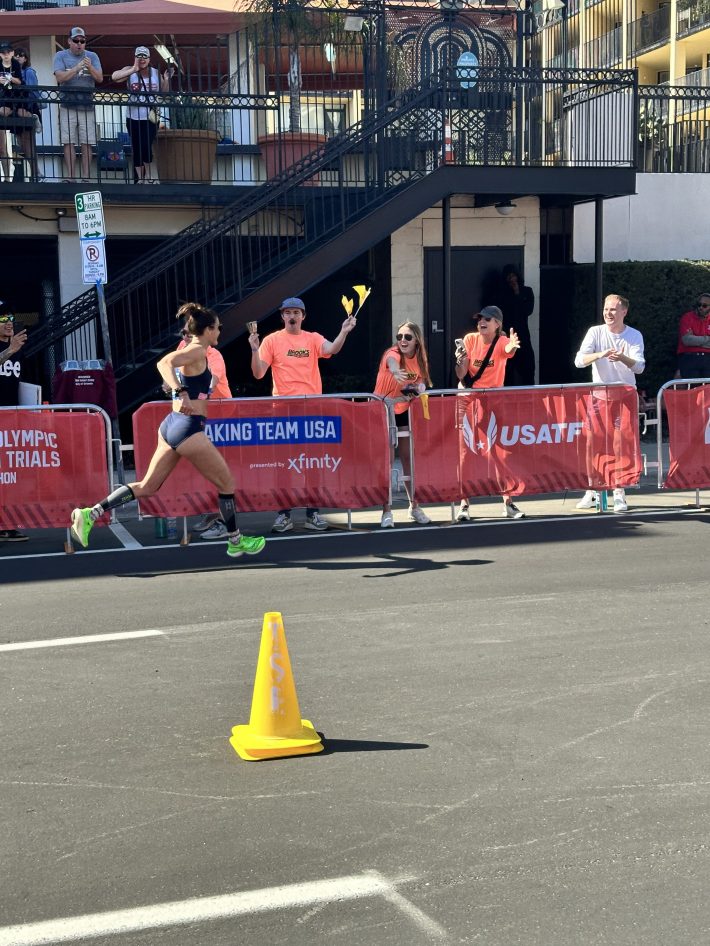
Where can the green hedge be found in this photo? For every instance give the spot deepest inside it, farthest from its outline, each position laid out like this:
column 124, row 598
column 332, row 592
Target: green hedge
column 658, row 293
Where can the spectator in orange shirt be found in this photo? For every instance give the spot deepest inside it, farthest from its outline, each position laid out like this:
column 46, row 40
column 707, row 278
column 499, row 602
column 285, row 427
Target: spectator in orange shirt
column 483, row 358
column 292, row 355
column 404, row 373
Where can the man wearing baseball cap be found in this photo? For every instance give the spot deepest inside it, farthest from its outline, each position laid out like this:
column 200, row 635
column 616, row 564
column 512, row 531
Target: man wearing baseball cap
column 292, row 355
column 77, row 72
column 483, row 358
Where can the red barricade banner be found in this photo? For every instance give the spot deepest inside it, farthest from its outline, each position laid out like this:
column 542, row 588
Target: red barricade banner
column 328, row 452
column 541, row 440
column 688, row 414
column 50, row 462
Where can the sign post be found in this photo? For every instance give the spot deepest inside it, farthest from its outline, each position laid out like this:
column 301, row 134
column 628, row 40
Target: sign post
column 92, row 238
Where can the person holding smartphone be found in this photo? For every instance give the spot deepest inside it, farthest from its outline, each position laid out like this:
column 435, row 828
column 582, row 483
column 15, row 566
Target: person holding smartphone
column 404, row 373
column 10, row 371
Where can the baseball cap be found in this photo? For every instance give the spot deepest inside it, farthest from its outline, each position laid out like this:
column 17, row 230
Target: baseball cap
column 5, row 44
column 5, row 307
column 491, row 312
column 142, row 51
column 76, row 31
column 293, row 302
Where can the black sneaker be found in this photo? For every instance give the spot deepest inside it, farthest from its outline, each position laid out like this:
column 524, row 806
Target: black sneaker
column 12, row 535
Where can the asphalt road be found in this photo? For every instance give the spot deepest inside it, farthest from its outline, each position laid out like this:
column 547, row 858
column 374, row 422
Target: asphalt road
column 515, row 719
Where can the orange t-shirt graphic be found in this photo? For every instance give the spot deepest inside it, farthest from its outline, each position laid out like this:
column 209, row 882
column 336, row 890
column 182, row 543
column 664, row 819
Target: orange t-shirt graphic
column 387, row 386
column 293, row 360
column 476, row 349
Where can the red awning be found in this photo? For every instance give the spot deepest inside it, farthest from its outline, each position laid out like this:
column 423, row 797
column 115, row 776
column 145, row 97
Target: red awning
column 197, row 18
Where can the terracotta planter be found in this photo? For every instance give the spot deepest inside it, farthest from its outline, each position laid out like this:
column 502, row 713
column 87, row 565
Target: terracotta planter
column 186, row 154
column 281, row 151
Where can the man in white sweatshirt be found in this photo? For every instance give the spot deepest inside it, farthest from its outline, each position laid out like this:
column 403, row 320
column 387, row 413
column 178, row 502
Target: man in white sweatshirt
column 615, row 352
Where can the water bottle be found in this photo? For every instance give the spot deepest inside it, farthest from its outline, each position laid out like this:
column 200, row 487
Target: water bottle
column 159, row 525
column 171, row 527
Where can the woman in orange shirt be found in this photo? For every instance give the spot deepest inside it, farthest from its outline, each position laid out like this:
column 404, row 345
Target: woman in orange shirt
column 470, row 360
column 404, row 372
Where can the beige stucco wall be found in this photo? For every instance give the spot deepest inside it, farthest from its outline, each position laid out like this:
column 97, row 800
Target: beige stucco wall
column 469, row 227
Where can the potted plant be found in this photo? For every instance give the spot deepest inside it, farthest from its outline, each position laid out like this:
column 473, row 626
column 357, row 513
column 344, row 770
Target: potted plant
column 187, row 143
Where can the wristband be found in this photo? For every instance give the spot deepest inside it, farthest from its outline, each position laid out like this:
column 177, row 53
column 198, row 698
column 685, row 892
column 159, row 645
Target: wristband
column 178, row 391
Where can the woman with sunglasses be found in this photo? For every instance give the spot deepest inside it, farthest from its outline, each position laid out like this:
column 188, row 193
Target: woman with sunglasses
column 404, row 373
column 10, row 80
column 182, row 435
column 29, row 106
column 472, row 357
column 142, row 122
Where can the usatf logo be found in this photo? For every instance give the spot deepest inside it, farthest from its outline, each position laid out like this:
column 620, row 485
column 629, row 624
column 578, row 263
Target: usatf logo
column 527, row 435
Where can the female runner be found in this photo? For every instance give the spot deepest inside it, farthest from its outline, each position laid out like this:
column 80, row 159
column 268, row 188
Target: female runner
column 182, row 434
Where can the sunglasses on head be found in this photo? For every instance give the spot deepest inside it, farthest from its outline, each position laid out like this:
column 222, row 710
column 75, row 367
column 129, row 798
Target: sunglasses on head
column 404, row 336
column 7, row 318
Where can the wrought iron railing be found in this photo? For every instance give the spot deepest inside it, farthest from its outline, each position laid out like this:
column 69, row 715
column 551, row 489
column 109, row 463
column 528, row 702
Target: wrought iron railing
column 673, row 129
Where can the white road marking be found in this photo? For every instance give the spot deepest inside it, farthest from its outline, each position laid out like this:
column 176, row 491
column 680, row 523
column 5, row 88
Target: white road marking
column 203, row 909
column 124, row 536
column 88, row 639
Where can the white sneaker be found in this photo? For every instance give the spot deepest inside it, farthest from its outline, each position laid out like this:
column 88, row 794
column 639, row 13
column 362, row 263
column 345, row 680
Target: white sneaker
column 463, row 514
column 217, row 530
column 282, row 523
column 512, row 511
column 620, row 504
column 315, row 522
column 206, row 522
column 387, row 522
column 417, row 514
column 590, row 500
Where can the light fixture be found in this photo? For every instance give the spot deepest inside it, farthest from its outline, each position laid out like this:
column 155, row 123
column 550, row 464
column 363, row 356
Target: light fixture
column 60, row 211
column 505, row 207
column 353, row 24
column 552, row 6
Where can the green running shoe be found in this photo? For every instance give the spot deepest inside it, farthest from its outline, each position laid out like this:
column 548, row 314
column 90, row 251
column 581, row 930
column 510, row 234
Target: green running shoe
column 81, row 525
column 251, row 544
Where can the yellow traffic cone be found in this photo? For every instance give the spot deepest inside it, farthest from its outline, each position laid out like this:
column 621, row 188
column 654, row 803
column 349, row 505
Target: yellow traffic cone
column 275, row 726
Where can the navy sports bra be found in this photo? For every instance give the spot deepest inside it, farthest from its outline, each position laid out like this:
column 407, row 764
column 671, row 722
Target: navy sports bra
column 198, row 385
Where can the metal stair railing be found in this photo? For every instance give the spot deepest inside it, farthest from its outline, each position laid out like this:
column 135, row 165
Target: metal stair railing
column 222, row 261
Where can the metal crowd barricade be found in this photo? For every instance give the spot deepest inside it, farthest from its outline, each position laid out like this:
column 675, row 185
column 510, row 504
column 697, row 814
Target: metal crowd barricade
column 77, row 468
column 675, row 383
column 552, row 481
column 238, row 425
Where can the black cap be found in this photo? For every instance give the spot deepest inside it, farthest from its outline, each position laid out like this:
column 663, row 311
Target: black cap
column 6, row 44
column 5, row 307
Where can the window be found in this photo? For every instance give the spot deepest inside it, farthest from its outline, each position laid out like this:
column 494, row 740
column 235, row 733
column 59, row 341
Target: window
column 334, row 121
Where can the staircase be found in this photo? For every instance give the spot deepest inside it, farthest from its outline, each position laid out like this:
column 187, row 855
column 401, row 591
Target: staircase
column 303, row 225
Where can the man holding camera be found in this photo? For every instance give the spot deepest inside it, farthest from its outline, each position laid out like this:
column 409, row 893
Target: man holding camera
column 10, row 370
column 77, row 71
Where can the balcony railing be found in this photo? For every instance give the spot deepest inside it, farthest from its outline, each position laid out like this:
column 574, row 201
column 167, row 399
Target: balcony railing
column 691, row 16
column 651, row 29
column 605, row 50
column 674, row 129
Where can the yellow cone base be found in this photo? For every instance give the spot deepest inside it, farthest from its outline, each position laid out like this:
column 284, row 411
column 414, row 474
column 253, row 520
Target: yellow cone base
column 248, row 745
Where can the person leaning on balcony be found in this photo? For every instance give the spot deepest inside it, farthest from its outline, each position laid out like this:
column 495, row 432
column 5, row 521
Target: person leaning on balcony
column 30, row 106
column 142, row 120
column 292, row 355
column 694, row 340
column 77, row 72
column 10, row 79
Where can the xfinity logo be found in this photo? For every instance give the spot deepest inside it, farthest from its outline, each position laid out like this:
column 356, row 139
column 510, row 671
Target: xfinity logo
column 301, row 463
column 524, row 434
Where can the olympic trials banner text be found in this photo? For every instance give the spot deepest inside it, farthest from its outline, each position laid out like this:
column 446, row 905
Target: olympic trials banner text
column 688, row 413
